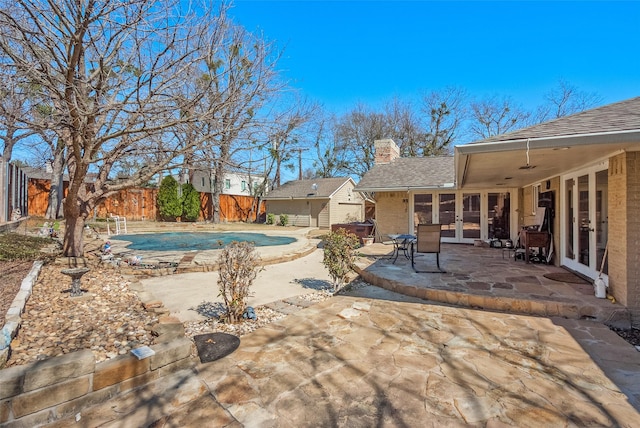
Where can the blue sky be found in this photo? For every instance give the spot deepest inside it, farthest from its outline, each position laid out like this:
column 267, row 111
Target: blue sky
column 339, row 53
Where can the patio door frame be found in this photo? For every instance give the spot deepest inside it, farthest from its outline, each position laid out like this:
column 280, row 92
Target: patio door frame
column 459, row 212
column 592, row 268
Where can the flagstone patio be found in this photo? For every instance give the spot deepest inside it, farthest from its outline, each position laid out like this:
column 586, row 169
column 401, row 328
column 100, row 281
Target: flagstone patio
column 488, row 278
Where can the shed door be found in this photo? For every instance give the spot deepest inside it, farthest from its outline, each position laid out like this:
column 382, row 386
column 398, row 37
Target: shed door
column 315, row 213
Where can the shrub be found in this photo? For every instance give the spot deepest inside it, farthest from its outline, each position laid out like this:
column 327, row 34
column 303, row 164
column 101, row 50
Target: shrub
column 271, row 218
column 169, row 204
column 238, row 267
column 339, row 255
column 284, row 219
column 190, row 202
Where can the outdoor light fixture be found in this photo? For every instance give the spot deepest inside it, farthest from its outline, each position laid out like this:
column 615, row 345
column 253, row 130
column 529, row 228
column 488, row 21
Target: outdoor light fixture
column 528, row 165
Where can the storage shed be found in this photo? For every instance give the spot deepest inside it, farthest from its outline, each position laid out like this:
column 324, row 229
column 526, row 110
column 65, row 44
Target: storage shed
column 319, row 202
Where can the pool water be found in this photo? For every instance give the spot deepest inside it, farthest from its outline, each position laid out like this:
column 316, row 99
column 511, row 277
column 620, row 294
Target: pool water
column 192, row 241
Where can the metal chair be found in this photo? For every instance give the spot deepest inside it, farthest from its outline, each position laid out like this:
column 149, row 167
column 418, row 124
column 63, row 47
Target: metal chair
column 427, row 241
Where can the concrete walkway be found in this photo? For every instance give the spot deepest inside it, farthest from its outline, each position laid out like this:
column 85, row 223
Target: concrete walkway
column 183, row 294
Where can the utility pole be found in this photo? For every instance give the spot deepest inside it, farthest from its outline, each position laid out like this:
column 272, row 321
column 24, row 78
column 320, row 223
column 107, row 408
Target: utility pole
column 299, row 150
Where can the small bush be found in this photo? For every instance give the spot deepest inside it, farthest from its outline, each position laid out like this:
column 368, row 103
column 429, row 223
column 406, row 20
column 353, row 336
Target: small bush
column 169, row 203
column 284, row 219
column 238, row 267
column 271, row 218
column 339, row 255
column 190, row 202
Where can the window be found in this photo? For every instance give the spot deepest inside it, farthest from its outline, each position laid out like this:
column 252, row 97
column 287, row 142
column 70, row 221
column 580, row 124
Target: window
column 535, row 194
column 202, row 181
column 243, row 185
column 227, row 183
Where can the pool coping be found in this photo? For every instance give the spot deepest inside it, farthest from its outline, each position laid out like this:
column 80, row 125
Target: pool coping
column 201, row 260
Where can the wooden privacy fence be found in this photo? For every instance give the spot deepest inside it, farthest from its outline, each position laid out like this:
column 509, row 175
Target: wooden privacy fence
column 232, row 208
column 141, row 204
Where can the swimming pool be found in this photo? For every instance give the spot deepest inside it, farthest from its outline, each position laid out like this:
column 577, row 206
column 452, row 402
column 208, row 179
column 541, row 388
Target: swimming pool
column 198, row 241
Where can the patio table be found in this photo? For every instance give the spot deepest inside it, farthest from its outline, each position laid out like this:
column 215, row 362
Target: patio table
column 401, row 242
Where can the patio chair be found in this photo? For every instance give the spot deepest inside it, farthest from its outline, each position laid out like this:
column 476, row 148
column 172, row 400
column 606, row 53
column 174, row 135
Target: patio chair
column 427, row 241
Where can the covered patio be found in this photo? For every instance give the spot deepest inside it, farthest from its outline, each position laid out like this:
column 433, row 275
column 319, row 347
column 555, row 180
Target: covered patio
column 489, row 278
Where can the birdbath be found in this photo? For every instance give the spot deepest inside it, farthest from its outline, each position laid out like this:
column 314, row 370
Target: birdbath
column 75, row 274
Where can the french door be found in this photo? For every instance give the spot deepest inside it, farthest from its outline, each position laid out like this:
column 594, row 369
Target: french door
column 465, row 216
column 584, row 228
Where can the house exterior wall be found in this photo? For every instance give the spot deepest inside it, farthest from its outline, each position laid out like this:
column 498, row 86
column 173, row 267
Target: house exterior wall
column 346, row 206
column 296, row 209
column 392, row 212
column 202, row 182
column 624, row 230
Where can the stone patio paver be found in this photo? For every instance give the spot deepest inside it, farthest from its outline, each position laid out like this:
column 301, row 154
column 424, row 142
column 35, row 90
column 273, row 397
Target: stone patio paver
column 379, row 358
column 406, row 363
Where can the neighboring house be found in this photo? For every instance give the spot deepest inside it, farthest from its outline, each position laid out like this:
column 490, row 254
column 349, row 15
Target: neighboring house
column 233, row 183
column 320, row 202
column 585, row 168
column 13, row 192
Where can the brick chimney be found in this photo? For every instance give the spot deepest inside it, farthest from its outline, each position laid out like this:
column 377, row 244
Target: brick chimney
column 385, row 151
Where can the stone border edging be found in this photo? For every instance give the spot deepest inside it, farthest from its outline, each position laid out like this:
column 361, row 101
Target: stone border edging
column 13, row 319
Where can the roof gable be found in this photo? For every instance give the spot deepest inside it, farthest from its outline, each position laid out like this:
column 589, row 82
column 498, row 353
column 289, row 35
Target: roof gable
column 415, row 172
column 304, row 189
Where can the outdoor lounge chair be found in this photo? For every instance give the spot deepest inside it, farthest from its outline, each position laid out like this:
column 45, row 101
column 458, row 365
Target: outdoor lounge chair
column 427, row 241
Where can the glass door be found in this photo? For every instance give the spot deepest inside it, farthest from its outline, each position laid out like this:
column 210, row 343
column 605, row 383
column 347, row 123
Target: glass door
column 469, row 219
column 584, row 230
column 447, row 216
column 464, row 216
column 459, row 216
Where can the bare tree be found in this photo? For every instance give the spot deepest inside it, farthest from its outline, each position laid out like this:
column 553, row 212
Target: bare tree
column 494, row 116
column 111, row 71
column 329, row 160
column 565, row 99
column 404, row 127
column 235, row 99
column 14, row 106
column 445, row 110
column 355, row 133
column 286, row 132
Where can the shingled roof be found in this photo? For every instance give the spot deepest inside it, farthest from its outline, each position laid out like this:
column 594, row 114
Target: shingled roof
column 304, row 189
column 616, row 117
column 405, row 173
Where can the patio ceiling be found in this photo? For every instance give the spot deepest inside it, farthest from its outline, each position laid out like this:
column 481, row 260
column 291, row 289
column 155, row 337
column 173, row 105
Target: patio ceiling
column 518, row 163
